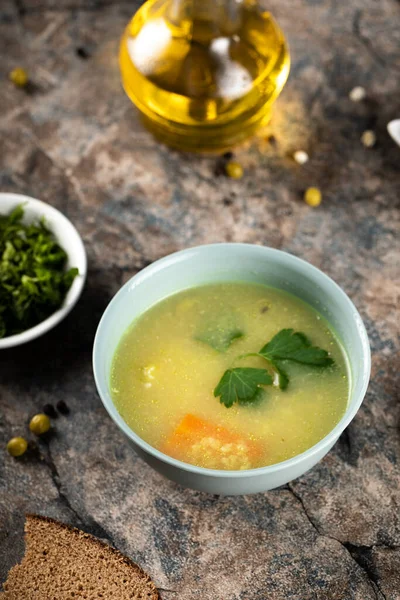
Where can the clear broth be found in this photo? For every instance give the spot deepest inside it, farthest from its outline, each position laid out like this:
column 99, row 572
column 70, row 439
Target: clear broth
column 162, row 372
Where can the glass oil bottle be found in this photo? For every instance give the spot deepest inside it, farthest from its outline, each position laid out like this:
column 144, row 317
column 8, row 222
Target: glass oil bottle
column 203, row 73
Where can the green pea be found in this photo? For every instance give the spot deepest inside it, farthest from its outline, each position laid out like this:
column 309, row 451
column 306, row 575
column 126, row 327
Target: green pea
column 39, row 424
column 234, row 169
column 17, row 446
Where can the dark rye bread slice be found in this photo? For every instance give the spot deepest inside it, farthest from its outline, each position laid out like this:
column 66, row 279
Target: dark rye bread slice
column 63, row 563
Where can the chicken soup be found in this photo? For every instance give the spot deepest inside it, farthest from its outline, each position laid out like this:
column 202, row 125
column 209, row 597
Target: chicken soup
column 230, row 376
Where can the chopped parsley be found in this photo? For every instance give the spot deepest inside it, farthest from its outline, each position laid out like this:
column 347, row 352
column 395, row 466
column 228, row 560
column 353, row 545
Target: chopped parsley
column 33, row 279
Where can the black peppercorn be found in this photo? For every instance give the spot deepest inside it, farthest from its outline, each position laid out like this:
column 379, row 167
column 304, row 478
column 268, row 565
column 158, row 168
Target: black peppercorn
column 50, row 411
column 82, row 52
column 62, row 407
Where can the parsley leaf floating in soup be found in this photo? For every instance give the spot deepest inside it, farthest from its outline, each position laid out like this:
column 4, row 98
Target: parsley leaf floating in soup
column 219, row 333
column 241, row 385
column 33, row 279
column 288, row 345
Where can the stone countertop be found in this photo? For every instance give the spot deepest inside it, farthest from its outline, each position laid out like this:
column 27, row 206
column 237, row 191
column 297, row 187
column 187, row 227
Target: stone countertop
column 74, row 140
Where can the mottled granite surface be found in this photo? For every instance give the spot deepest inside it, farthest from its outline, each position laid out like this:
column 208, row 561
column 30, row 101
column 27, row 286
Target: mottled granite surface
column 75, row 141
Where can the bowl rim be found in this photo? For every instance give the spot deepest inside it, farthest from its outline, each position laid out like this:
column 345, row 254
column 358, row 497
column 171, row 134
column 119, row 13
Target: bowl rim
column 73, row 294
column 326, row 441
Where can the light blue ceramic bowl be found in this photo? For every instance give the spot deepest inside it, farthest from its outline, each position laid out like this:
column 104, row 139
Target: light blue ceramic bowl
column 233, row 262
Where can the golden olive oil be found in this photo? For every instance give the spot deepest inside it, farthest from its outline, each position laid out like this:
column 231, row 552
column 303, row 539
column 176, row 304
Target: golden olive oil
column 203, row 73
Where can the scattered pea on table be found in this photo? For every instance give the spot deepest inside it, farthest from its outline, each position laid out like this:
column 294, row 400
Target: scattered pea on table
column 312, row 196
column 301, row 157
column 17, row 446
column 234, row 169
column 39, row 424
column 19, row 77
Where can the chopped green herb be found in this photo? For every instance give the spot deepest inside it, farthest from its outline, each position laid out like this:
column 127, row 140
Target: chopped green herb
column 33, row 280
column 241, row 385
column 221, row 333
column 220, row 340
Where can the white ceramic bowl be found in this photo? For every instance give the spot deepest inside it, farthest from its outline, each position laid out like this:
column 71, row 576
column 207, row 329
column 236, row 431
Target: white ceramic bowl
column 230, row 262
column 69, row 239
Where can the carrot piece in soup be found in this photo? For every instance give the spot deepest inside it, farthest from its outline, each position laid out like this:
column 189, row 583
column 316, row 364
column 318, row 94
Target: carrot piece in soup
column 208, row 445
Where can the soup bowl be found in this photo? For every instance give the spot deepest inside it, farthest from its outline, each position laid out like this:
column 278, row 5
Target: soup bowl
column 217, row 263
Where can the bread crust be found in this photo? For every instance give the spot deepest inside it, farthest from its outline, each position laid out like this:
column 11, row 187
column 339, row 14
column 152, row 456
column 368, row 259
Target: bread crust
column 31, row 519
